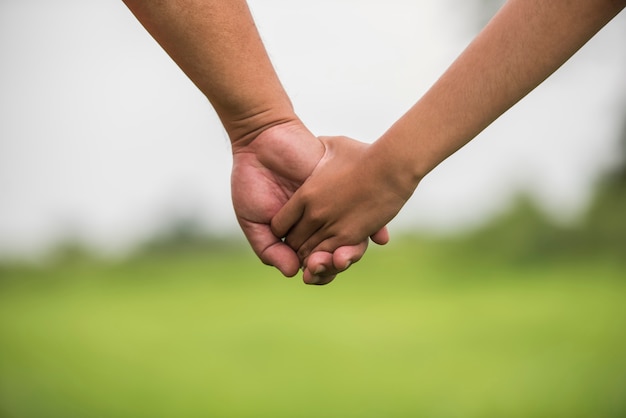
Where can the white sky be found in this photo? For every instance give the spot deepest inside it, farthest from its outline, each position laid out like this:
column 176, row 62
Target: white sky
column 102, row 136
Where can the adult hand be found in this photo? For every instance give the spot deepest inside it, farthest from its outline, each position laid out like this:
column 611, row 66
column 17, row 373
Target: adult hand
column 353, row 192
column 266, row 172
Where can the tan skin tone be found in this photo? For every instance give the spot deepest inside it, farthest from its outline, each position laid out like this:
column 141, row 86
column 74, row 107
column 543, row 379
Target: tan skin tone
column 357, row 188
column 216, row 43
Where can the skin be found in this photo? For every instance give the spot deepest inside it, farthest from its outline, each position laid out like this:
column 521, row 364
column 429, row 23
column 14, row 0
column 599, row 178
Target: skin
column 216, row 43
column 358, row 188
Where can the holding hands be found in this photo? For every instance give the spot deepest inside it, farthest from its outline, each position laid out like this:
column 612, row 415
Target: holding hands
column 325, row 197
column 359, row 188
column 353, row 192
column 266, row 173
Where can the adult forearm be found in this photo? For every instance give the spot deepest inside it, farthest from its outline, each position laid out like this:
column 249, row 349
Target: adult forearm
column 521, row 46
column 216, row 43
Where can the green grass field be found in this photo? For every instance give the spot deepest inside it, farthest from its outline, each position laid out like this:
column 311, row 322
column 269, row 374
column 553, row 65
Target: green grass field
column 413, row 330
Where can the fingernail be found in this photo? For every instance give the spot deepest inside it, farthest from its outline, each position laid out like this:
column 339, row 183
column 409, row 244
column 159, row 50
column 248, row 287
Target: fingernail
column 348, row 264
column 319, row 270
column 314, row 280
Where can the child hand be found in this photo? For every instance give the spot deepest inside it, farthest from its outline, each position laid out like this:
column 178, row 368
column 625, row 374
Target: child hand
column 351, row 195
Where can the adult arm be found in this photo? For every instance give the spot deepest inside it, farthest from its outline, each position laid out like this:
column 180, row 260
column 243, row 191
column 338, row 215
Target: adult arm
column 358, row 188
column 216, row 43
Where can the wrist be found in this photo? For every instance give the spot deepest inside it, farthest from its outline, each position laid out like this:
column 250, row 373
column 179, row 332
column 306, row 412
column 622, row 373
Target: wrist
column 395, row 167
column 286, row 147
column 424, row 137
column 245, row 128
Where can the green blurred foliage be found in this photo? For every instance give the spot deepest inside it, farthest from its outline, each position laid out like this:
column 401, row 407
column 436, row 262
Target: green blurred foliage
column 525, row 235
column 521, row 319
column 410, row 331
column 605, row 226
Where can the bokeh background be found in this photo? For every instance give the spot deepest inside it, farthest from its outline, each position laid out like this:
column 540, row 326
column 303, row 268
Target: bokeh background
column 127, row 290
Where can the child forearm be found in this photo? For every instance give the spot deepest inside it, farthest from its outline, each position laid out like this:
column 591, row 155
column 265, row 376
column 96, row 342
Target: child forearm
column 357, row 191
column 522, row 45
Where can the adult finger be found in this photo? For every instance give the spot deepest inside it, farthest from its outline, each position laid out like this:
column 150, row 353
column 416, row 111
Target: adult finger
column 321, row 241
column 271, row 250
column 322, row 266
column 319, row 268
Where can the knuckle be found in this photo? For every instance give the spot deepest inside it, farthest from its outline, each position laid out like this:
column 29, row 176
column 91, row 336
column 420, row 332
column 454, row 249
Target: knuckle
column 315, row 216
column 303, row 252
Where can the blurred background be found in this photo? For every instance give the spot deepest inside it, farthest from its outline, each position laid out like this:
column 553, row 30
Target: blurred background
column 126, row 288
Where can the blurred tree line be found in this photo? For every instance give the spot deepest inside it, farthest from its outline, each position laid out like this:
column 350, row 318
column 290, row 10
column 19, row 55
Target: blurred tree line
column 526, row 235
